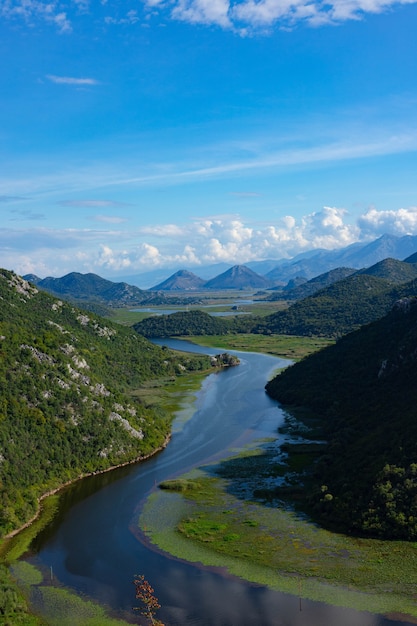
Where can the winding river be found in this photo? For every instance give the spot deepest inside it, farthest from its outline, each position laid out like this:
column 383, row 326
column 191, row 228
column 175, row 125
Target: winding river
column 93, row 546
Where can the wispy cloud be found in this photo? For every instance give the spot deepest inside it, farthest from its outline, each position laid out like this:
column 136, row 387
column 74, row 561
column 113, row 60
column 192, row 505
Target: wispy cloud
column 109, row 219
column 7, row 199
column 331, row 152
column 69, row 80
column 131, row 17
column 32, row 11
column 20, row 215
column 245, row 194
column 212, row 164
column 92, row 204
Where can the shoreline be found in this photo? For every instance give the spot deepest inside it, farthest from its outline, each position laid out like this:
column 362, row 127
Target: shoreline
column 290, row 555
column 6, row 538
column 56, row 490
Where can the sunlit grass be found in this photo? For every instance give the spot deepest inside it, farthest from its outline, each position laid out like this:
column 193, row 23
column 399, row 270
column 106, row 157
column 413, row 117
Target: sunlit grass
column 285, row 346
column 215, row 302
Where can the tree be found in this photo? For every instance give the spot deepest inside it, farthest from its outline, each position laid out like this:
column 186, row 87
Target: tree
column 146, row 594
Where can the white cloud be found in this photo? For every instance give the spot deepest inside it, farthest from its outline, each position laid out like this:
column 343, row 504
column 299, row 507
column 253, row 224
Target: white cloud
column 69, row 80
column 241, row 16
column 163, row 230
column 203, row 12
column 246, row 16
column 203, row 241
column 398, row 222
column 110, row 260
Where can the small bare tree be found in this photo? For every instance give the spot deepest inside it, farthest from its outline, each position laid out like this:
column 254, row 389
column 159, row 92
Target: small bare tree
column 146, row 594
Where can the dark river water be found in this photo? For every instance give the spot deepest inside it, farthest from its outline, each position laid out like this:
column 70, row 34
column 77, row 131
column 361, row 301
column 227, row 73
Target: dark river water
column 93, row 546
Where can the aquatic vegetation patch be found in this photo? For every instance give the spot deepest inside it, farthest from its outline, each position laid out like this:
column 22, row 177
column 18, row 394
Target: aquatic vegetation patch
column 275, row 547
column 54, row 606
column 26, row 573
column 62, row 608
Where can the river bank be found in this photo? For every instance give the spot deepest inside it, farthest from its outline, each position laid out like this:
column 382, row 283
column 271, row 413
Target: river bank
column 176, row 397
column 99, row 529
column 216, row 521
column 274, row 546
column 62, row 486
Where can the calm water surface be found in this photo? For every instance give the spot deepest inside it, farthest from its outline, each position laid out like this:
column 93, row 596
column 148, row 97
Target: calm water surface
column 93, row 546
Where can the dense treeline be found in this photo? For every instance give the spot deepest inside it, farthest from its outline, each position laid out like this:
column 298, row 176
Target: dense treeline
column 363, row 392
column 66, row 403
column 191, row 323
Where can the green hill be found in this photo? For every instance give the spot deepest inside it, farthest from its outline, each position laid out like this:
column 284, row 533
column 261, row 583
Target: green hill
column 363, row 393
column 393, row 270
column 338, row 309
column 67, row 403
column 101, row 295
column 310, row 287
column 182, row 323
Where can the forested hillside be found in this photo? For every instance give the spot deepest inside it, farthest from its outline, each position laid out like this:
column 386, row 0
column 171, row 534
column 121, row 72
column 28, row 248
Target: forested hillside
column 66, row 406
column 363, row 393
column 189, row 323
column 336, row 310
column 303, row 289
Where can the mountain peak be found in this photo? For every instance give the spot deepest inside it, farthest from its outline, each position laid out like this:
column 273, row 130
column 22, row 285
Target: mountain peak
column 183, row 280
column 238, row 277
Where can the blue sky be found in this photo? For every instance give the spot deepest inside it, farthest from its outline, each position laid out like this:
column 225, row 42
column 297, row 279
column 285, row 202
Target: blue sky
column 178, row 133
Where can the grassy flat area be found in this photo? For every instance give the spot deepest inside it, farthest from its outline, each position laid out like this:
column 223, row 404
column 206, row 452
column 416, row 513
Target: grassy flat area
column 197, row 518
column 285, row 346
column 211, row 304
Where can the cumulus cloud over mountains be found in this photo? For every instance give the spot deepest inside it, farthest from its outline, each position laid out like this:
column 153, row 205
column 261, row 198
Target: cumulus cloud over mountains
column 203, row 241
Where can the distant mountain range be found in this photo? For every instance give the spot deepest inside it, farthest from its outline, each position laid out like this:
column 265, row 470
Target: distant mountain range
column 391, row 270
column 329, row 305
column 305, row 265
column 236, row 277
column 292, row 279
column 90, row 289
